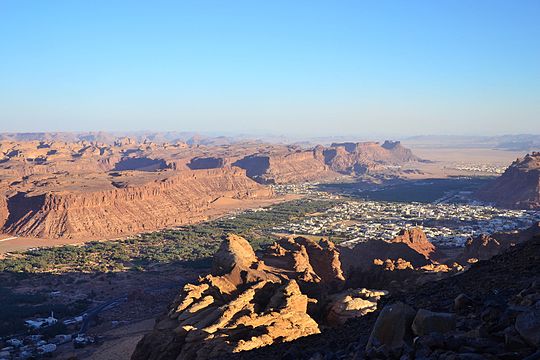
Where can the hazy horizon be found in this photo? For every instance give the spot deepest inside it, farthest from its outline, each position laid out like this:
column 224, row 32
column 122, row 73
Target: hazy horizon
column 306, row 68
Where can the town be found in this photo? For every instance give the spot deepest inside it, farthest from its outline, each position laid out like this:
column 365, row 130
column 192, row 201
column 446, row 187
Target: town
column 445, row 224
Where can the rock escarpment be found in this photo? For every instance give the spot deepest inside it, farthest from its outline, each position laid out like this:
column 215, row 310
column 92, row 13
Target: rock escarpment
column 174, row 198
column 518, row 187
column 248, row 303
column 4, row 212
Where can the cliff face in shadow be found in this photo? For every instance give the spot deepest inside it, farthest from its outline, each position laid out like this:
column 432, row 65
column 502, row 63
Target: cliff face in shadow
column 518, row 187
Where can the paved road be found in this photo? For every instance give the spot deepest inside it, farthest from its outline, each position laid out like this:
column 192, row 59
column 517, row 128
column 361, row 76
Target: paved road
column 92, row 313
column 9, row 238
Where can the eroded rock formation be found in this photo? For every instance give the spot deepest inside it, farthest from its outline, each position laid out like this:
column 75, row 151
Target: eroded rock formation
column 409, row 249
column 487, row 312
column 416, row 239
column 482, row 247
column 249, row 302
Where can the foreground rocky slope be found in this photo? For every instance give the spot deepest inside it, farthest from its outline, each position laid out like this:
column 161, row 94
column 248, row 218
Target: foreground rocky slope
column 487, row 312
column 293, row 290
column 518, row 187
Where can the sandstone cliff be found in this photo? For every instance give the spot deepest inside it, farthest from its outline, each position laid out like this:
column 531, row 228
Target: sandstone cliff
column 175, row 198
column 518, row 187
column 4, row 213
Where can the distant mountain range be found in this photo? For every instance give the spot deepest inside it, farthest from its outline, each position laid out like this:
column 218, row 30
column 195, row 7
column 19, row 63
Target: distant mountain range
column 517, row 142
column 522, row 142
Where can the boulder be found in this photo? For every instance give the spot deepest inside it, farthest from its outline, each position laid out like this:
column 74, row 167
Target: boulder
column 351, row 304
column 462, row 302
column 428, row 322
column 234, row 251
column 392, row 328
column 528, row 326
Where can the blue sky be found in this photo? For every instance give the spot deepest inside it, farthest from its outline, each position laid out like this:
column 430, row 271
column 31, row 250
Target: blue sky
column 302, row 67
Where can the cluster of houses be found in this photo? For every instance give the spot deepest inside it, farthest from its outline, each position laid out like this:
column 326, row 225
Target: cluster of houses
column 445, row 224
column 31, row 347
column 480, row 168
column 303, row 189
column 36, row 345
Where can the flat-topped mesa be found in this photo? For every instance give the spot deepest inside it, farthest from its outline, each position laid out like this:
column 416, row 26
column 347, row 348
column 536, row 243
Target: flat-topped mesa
column 248, row 303
column 518, row 187
column 174, row 198
column 362, row 157
column 286, row 167
column 400, row 152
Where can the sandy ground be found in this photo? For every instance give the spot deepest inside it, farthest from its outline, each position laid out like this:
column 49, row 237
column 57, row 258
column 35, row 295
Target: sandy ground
column 119, row 343
column 469, row 155
column 444, row 161
column 221, row 207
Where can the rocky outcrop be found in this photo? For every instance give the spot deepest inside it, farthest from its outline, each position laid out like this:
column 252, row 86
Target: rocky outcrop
column 409, row 249
column 174, row 198
column 399, row 152
column 392, row 330
column 249, row 302
column 323, row 163
column 482, row 247
column 234, row 251
column 416, row 239
column 518, row 187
